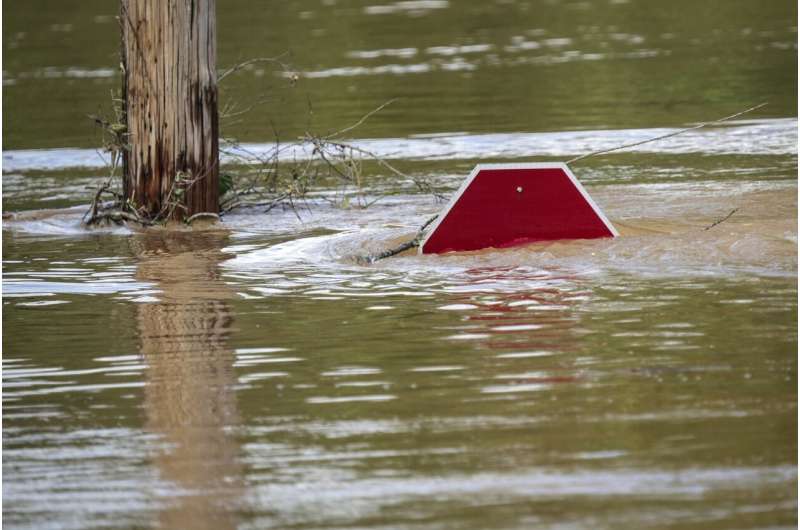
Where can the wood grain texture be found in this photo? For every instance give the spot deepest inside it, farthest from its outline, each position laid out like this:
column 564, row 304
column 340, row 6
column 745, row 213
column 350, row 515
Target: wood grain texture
column 170, row 92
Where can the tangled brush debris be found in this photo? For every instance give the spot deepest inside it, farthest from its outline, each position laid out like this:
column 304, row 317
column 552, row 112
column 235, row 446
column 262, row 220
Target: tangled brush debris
column 251, row 180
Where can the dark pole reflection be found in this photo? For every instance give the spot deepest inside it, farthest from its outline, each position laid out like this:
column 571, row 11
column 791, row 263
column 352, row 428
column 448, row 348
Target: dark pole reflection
column 189, row 396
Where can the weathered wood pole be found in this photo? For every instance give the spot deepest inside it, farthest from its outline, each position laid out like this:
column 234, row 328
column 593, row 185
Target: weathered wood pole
column 169, row 84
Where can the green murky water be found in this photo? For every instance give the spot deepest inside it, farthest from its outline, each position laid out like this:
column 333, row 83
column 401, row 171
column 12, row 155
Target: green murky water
column 256, row 377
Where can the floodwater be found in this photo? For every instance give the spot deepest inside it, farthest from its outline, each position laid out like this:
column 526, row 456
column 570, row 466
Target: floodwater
column 254, row 375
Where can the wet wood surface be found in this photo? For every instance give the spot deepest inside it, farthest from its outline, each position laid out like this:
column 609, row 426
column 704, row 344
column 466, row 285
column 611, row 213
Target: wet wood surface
column 170, row 93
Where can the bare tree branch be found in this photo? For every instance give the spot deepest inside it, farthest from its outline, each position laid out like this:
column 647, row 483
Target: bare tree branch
column 235, row 68
column 670, row 135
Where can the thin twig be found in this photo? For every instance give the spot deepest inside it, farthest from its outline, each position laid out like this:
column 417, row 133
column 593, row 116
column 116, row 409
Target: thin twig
column 237, row 67
column 670, row 135
column 228, row 111
column 421, row 184
column 364, row 118
column 274, row 202
column 92, row 211
column 722, row 220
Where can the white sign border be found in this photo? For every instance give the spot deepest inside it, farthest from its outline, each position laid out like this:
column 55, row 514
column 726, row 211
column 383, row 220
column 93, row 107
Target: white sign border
column 529, row 165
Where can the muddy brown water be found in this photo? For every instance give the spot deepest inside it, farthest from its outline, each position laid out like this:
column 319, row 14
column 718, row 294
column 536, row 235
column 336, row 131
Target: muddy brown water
column 253, row 375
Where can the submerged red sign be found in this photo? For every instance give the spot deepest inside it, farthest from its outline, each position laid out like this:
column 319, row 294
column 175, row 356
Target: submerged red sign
column 505, row 205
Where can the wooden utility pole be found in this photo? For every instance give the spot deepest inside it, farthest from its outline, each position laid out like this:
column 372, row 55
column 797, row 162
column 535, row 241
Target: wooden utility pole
column 169, row 55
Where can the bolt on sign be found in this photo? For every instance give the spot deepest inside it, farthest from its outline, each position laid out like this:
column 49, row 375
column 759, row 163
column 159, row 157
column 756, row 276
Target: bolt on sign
column 507, row 205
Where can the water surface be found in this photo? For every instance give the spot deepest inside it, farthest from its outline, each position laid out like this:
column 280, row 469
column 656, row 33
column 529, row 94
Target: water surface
column 254, row 375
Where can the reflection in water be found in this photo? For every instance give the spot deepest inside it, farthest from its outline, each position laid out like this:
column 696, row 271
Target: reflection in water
column 539, row 321
column 519, row 307
column 189, row 398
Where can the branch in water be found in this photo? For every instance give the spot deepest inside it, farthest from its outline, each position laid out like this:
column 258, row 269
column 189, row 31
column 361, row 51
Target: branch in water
column 413, row 243
column 722, row 220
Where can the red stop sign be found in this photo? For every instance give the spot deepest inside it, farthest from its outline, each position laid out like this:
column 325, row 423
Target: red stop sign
column 506, row 205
